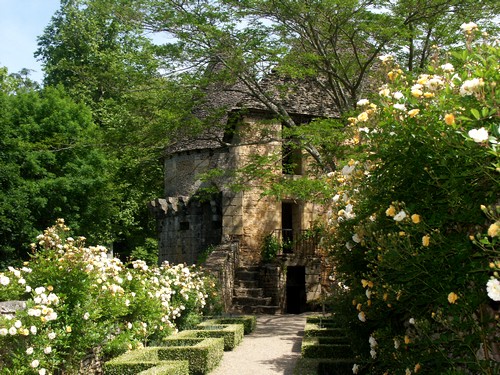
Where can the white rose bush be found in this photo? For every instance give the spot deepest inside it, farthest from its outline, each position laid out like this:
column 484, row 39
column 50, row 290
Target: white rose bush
column 80, row 300
column 417, row 257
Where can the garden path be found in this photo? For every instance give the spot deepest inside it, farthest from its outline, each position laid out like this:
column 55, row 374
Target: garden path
column 273, row 348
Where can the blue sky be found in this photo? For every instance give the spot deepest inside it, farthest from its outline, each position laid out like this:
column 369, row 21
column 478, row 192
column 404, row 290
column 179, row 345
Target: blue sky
column 21, row 22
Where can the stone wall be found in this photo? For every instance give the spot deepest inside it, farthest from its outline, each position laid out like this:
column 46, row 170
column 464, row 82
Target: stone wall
column 221, row 263
column 187, row 227
column 183, row 169
column 272, row 280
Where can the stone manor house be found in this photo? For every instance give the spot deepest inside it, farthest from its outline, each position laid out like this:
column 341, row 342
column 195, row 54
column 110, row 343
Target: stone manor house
column 236, row 225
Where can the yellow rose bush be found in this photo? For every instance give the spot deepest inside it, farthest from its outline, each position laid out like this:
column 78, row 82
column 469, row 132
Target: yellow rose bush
column 414, row 253
column 79, row 301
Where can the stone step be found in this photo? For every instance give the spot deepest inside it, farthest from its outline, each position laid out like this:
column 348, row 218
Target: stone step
column 252, row 301
column 248, row 292
column 248, row 268
column 246, row 284
column 246, row 275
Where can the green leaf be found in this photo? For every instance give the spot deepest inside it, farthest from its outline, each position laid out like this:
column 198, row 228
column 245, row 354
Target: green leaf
column 475, row 113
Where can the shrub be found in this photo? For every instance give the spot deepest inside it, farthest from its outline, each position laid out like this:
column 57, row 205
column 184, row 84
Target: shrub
column 144, row 361
column 410, row 247
column 79, row 299
column 231, row 333
column 249, row 322
column 203, row 354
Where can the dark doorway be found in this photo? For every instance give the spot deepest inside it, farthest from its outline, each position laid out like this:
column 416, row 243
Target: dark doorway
column 295, row 290
column 287, row 226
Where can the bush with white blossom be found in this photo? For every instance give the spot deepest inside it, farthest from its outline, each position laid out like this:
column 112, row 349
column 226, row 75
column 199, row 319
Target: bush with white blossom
column 414, row 220
column 79, row 299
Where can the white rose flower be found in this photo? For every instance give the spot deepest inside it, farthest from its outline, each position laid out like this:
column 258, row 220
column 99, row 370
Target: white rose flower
column 4, row 280
column 35, row 363
column 362, row 316
column 398, row 95
column 471, row 86
column 29, row 351
column 47, row 350
column 493, row 289
column 448, row 68
column 362, row 102
column 479, row 135
column 355, row 369
column 400, row 215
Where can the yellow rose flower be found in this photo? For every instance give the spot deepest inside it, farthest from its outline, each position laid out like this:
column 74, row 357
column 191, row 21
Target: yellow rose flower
column 449, row 119
column 415, row 218
column 452, row 297
column 428, row 95
column 68, row 329
column 407, row 340
column 493, row 230
column 391, row 211
column 417, row 93
column 413, row 112
column 417, row 367
column 426, row 240
column 392, row 75
column 363, row 117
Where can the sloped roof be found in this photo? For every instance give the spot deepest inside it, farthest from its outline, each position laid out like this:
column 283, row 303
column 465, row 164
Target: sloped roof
column 299, row 97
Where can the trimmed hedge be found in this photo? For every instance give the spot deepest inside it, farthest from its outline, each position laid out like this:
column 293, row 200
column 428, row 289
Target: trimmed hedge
column 315, row 330
column 203, row 354
column 248, row 321
column 311, row 348
column 323, row 366
column 170, row 368
column 329, row 321
column 139, row 361
column 231, row 333
column 325, row 349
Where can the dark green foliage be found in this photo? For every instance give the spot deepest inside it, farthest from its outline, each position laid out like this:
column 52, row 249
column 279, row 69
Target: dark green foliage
column 51, row 167
column 271, row 248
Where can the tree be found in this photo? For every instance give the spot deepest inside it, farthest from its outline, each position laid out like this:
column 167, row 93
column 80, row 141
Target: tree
column 52, row 166
column 336, row 43
column 101, row 57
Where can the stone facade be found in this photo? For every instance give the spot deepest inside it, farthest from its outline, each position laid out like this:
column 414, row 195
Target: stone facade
column 190, row 221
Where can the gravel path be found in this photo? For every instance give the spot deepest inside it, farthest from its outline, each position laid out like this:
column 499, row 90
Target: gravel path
column 273, row 348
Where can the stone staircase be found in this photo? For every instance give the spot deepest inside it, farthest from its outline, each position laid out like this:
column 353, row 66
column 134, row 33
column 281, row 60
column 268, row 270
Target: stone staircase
column 248, row 298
